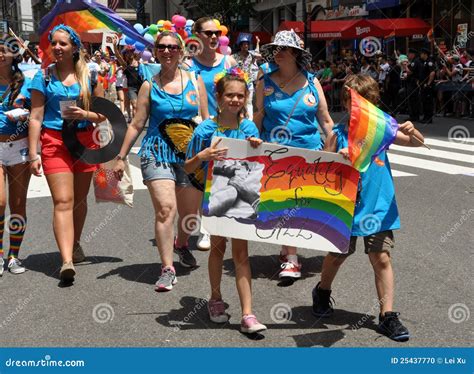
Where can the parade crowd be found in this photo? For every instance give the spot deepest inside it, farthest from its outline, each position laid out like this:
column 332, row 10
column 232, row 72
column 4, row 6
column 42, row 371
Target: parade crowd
column 241, row 96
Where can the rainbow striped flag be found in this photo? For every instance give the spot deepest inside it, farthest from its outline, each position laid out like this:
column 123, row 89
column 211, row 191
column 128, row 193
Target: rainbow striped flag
column 371, row 131
column 82, row 16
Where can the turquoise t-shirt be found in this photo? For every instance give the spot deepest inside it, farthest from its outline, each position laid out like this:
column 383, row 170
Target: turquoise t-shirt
column 302, row 128
column 208, row 74
column 203, row 134
column 163, row 106
column 23, row 100
column 376, row 207
column 53, row 93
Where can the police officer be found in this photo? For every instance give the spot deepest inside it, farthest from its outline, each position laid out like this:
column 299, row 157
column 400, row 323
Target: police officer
column 413, row 85
column 427, row 76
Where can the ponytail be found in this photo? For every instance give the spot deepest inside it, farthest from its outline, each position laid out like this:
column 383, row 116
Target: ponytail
column 83, row 77
column 17, row 82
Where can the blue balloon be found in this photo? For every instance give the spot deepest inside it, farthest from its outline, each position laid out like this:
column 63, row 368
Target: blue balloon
column 189, row 30
column 138, row 27
column 140, row 46
column 149, row 38
column 122, row 40
column 189, row 22
column 129, row 41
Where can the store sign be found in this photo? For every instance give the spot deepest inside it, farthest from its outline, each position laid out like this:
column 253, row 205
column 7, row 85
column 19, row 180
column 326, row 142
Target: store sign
column 343, row 12
column 418, row 37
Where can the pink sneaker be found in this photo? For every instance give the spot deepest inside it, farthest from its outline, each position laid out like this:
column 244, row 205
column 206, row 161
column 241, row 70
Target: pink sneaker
column 167, row 279
column 250, row 324
column 290, row 270
column 216, row 309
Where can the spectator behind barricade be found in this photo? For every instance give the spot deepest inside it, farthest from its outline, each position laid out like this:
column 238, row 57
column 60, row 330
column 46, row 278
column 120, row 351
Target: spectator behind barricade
column 392, row 85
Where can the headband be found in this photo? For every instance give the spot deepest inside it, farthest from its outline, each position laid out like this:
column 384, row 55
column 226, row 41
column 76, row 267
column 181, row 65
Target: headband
column 234, row 72
column 72, row 34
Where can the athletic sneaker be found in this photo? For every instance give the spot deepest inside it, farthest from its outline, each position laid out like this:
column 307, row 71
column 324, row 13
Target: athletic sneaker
column 322, row 304
column 204, row 242
column 167, row 279
column 390, row 325
column 250, row 324
column 67, row 272
column 186, row 258
column 78, row 254
column 216, row 309
column 15, row 266
column 290, row 270
column 2, row 264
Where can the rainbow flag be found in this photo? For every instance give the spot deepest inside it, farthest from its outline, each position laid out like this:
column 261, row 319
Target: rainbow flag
column 82, row 16
column 371, row 131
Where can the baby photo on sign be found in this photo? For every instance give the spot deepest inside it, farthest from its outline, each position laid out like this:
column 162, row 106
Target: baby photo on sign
column 235, row 190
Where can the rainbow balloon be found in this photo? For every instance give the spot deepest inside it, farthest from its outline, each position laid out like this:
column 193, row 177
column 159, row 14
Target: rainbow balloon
column 316, row 197
column 371, row 131
column 82, row 16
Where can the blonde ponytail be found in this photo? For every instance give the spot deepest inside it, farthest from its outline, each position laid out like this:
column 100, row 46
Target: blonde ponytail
column 83, row 77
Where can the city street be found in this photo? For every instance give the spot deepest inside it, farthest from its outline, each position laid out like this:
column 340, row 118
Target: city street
column 113, row 302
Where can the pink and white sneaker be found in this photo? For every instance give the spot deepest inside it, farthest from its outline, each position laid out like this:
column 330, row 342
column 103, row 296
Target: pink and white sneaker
column 290, row 270
column 250, row 324
column 216, row 309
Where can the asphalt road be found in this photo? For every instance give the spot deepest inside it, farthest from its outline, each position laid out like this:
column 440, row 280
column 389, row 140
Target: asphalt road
column 113, row 302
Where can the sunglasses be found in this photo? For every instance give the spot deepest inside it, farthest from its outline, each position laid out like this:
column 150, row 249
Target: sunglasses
column 171, row 47
column 209, row 33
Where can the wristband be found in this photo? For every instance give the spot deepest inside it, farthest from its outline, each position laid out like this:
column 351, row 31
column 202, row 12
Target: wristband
column 33, row 160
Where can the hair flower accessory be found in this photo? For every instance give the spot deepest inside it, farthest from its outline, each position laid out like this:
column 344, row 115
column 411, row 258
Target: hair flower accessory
column 234, row 72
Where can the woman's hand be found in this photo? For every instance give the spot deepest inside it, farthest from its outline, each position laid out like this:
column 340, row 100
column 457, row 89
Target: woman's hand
column 75, row 113
column 254, row 142
column 407, row 128
column 118, row 169
column 35, row 167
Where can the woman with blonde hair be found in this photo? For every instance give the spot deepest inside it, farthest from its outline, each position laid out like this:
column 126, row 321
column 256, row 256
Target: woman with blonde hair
column 54, row 97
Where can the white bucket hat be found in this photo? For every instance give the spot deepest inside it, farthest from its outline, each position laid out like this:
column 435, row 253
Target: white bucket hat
column 286, row 39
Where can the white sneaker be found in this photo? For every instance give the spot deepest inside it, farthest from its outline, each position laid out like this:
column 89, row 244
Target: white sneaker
column 15, row 266
column 290, row 270
column 204, row 242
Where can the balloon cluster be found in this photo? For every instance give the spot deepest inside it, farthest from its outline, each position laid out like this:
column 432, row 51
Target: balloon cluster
column 179, row 25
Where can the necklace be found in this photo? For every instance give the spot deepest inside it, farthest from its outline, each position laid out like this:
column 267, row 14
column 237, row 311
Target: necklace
column 167, row 95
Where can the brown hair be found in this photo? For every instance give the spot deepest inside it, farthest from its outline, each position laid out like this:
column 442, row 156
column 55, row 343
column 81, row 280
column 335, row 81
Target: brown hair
column 220, row 89
column 197, row 26
column 364, row 85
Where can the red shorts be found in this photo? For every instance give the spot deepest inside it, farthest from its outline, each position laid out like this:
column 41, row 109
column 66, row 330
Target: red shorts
column 56, row 158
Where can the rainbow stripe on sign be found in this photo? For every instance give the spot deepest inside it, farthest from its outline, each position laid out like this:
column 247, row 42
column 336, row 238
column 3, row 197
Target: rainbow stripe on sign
column 318, row 197
column 371, row 131
column 82, row 16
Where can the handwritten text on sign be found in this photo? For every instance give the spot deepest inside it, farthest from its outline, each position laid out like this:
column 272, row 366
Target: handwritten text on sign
column 281, row 195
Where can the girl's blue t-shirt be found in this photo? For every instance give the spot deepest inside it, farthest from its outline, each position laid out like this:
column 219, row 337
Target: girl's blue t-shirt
column 302, row 128
column 208, row 74
column 376, row 207
column 164, row 106
column 53, row 93
column 203, row 134
column 23, row 100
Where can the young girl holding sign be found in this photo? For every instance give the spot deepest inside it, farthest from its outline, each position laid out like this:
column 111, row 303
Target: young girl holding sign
column 230, row 122
column 375, row 216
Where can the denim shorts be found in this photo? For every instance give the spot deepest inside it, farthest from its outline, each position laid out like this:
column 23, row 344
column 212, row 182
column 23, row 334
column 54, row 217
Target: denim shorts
column 154, row 170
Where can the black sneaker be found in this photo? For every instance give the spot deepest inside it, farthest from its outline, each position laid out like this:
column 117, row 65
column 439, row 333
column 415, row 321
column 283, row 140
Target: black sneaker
column 186, row 258
column 390, row 325
column 322, row 304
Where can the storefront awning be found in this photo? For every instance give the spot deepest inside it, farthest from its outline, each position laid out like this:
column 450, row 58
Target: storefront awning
column 361, row 28
column 296, row 26
column 402, row 26
column 349, row 29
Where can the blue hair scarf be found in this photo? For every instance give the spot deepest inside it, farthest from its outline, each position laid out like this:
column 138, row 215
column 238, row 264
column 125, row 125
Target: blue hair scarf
column 75, row 39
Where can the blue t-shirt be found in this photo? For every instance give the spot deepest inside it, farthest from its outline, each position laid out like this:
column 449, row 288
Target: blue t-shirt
column 301, row 130
column 376, row 207
column 23, row 100
column 163, row 106
column 203, row 134
column 208, row 74
column 53, row 93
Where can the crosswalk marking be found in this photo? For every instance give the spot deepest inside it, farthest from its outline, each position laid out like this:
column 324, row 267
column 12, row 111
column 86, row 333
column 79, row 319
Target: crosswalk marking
column 398, row 173
column 429, row 165
column 435, row 153
column 449, row 144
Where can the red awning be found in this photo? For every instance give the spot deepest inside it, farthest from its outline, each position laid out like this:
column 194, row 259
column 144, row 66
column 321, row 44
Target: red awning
column 349, row 29
column 402, row 26
column 296, row 26
column 361, row 28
